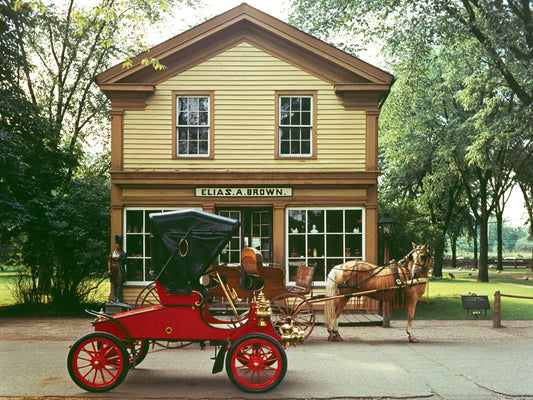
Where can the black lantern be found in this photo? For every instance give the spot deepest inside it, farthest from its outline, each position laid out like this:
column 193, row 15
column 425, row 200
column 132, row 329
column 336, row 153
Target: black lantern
column 386, row 225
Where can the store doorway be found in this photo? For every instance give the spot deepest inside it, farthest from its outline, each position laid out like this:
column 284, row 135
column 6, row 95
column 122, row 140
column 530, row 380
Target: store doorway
column 255, row 231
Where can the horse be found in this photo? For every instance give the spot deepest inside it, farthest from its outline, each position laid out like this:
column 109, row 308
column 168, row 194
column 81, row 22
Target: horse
column 395, row 283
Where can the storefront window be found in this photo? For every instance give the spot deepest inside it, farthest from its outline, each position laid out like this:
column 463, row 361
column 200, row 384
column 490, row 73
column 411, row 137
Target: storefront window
column 323, row 237
column 231, row 254
column 137, row 243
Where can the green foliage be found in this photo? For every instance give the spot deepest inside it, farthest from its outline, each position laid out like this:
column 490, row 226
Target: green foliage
column 456, row 129
column 54, row 198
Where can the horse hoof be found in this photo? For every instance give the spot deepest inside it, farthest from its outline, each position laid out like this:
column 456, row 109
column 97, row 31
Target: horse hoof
column 413, row 340
column 335, row 338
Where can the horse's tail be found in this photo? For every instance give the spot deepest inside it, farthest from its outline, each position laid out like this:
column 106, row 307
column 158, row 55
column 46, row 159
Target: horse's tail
column 330, row 319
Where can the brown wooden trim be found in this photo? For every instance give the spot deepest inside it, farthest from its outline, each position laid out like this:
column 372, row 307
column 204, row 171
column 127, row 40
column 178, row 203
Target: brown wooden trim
column 371, row 154
column 211, row 178
column 117, row 139
column 211, row 94
column 314, row 95
column 362, row 95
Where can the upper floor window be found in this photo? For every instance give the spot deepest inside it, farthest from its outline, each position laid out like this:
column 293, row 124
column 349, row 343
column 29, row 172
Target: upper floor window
column 193, row 127
column 296, row 125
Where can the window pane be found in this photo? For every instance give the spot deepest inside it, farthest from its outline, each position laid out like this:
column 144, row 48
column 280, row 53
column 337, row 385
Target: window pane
column 316, row 221
column 295, row 103
column 182, row 134
column 182, row 148
column 306, row 118
column 297, row 220
column 285, row 147
column 334, row 221
column 203, row 118
column 295, row 147
column 193, row 147
column 295, row 134
column 285, row 103
column 193, row 103
column 306, row 147
column 306, row 103
column 203, row 134
column 203, row 104
column 285, row 133
column 183, row 103
column 202, row 147
column 284, row 118
column 295, row 118
column 183, row 118
column 193, row 134
column 306, row 133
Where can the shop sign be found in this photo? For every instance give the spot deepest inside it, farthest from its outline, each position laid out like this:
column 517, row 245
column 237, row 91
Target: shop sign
column 243, row 192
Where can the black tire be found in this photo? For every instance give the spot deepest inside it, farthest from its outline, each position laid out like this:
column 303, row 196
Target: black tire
column 98, row 362
column 141, row 349
column 256, row 363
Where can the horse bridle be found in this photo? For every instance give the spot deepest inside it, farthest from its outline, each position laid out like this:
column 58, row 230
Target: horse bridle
column 426, row 266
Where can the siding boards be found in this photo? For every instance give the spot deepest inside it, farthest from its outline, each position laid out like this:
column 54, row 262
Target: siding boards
column 244, row 79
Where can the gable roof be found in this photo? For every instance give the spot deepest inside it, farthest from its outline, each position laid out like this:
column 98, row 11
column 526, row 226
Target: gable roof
column 351, row 77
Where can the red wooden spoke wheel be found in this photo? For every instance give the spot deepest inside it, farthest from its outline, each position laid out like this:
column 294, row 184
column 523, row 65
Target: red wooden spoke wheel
column 297, row 308
column 256, row 363
column 98, row 362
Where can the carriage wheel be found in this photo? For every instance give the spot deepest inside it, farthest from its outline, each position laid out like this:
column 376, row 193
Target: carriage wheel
column 297, row 308
column 147, row 297
column 256, row 363
column 98, row 362
column 141, row 350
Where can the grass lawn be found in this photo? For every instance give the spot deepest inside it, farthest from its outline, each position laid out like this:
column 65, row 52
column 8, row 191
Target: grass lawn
column 445, row 297
column 442, row 302
column 7, row 282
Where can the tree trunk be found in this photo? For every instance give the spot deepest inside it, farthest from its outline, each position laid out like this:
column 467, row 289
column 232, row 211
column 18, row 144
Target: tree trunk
column 439, row 256
column 453, row 243
column 476, row 260
column 499, row 232
column 483, row 272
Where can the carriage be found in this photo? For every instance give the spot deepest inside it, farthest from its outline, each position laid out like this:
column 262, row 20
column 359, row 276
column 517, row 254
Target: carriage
column 184, row 246
column 248, row 279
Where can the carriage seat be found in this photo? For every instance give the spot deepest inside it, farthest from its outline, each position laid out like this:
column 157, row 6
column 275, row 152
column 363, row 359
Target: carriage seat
column 304, row 279
column 251, row 260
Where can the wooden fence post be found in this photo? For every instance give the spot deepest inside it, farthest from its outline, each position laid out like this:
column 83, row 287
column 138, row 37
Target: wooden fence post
column 497, row 312
column 386, row 314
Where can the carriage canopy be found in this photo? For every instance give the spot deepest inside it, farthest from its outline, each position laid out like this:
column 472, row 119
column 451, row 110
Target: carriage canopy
column 184, row 244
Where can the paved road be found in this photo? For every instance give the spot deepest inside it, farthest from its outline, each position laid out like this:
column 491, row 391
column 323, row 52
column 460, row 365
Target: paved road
column 454, row 360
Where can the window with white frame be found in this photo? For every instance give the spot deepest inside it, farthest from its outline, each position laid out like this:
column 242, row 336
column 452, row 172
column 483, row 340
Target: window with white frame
column 137, row 243
column 193, row 125
column 295, row 125
column 323, row 237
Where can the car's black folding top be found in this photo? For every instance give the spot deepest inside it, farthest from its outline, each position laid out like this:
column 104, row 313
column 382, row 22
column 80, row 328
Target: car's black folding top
column 184, row 245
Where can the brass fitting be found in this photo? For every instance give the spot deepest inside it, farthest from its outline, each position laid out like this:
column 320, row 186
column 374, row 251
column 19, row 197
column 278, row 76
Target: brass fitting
column 264, row 311
column 290, row 335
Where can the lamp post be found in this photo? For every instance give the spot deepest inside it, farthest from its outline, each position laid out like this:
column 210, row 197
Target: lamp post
column 385, row 229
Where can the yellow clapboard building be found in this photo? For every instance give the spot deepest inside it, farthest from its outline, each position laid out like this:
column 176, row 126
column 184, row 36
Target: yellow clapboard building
column 255, row 120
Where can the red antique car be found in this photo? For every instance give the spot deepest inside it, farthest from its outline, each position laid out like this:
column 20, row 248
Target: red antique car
column 184, row 245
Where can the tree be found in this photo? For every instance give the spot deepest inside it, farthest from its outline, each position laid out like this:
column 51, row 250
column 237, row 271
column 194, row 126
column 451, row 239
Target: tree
column 51, row 52
column 491, row 87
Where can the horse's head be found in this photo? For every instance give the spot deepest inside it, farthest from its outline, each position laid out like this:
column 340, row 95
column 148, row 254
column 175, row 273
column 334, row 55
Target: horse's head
column 421, row 260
